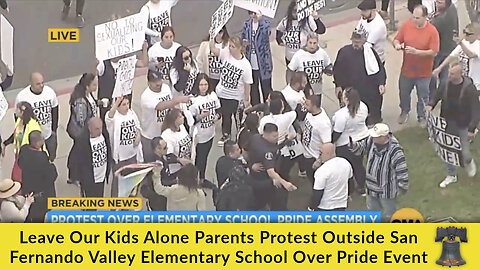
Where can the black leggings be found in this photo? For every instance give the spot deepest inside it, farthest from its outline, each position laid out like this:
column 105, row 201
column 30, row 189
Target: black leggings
column 385, row 5
column 228, row 109
column 80, row 5
column 359, row 171
column 203, row 149
column 255, row 92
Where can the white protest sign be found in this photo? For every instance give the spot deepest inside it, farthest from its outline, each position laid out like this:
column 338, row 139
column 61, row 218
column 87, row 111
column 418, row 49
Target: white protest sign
column 447, row 144
column 305, row 7
column 119, row 37
column 3, row 105
column 6, row 43
column 125, row 75
column 221, row 17
column 266, row 7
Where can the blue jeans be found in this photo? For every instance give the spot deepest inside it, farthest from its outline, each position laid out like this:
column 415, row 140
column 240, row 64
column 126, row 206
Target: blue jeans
column 387, row 206
column 441, row 77
column 406, row 86
column 467, row 155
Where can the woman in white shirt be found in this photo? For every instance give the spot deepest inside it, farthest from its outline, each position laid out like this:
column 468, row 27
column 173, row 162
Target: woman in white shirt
column 349, row 122
column 235, row 82
column 161, row 54
column 157, row 13
column 124, row 129
column 175, row 134
column 13, row 208
column 208, row 63
column 183, row 73
column 205, row 110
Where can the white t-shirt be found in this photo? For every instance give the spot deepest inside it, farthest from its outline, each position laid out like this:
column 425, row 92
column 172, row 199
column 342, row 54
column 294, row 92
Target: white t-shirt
column 159, row 15
column 152, row 119
column 42, row 105
column 376, row 32
column 295, row 38
column 235, row 74
column 101, row 67
column 283, row 121
column 333, row 177
column 191, row 80
column 123, row 130
column 471, row 66
column 293, row 97
column 206, row 126
column 253, row 56
column 99, row 158
column 313, row 64
column 215, row 64
column 157, row 51
column 93, row 104
column 317, row 131
column 178, row 143
column 350, row 127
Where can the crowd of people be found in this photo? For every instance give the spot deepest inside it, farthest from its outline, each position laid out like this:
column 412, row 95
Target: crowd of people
column 264, row 133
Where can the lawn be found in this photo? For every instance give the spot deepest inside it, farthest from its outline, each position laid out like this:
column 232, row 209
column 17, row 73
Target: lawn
column 459, row 200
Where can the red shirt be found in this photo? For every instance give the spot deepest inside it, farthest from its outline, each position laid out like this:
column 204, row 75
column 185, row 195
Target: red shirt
column 426, row 38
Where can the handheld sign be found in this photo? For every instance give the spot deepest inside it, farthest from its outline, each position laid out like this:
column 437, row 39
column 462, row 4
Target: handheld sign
column 267, row 7
column 3, row 105
column 305, row 7
column 6, row 43
column 119, row 37
column 125, row 75
column 447, row 144
column 221, row 17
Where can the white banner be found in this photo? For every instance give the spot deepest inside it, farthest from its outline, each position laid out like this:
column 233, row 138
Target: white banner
column 125, row 75
column 447, row 144
column 119, row 37
column 6, row 43
column 221, row 17
column 3, row 105
column 267, row 7
column 305, row 7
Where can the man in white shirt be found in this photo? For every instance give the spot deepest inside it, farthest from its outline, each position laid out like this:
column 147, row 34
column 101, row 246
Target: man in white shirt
column 373, row 26
column 330, row 191
column 293, row 92
column 45, row 107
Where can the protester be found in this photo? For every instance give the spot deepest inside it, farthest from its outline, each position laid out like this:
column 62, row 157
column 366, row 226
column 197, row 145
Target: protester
column 461, row 110
column 157, row 15
column 95, row 153
column 384, row 9
column 358, row 66
column 45, row 106
column 330, row 190
column 236, row 194
column 7, row 82
column 208, row 63
column 373, row 26
column 234, row 86
column 349, row 122
column 292, row 33
column 205, row 109
column 186, row 195
column 25, row 124
column 227, row 162
column 161, row 54
column 314, row 61
column 80, row 21
column 124, row 131
column 419, row 41
column 387, row 176
column 294, row 92
column 179, row 142
column 38, row 175
column 13, row 207
column 250, row 128
column 256, row 37
column 183, row 73
column 445, row 21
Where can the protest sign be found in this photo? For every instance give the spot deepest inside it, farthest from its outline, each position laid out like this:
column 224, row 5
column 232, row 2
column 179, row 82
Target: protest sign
column 221, row 17
column 447, row 144
column 125, row 75
column 3, row 105
column 305, row 7
column 119, row 37
column 6, row 43
column 266, row 7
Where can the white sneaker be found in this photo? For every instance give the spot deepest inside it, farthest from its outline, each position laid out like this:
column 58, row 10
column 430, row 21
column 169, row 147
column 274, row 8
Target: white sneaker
column 302, row 174
column 471, row 169
column 447, row 181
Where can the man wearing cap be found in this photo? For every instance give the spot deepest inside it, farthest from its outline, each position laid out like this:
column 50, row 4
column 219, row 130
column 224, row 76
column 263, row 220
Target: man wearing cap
column 358, row 65
column 387, row 173
column 373, row 26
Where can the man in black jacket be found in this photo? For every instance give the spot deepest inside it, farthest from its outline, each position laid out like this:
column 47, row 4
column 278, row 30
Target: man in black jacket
column 226, row 163
column 461, row 110
column 95, row 154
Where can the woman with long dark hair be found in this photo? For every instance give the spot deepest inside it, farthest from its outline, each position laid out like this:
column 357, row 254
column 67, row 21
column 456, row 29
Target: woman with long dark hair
column 349, row 122
column 161, row 54
column 175, row 134
column 183, row 73
column 250, row 128
column 205, row 109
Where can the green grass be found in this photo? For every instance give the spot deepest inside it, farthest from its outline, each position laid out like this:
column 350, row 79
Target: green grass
column 460, row 200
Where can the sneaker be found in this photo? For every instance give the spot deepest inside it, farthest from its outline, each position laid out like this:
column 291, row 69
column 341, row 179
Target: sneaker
column 471, row 169
column 448, row 180
column 80, row 21
column 403, row 118
column 422, row 123
column 65, row 11
column 302, row 174
column 222, row 140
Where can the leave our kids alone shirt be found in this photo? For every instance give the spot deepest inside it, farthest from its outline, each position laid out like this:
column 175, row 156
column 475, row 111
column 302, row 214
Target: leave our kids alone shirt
column 152, row 119
column 99, row 158
column 235, row 74
column 157, row 54
column 206, row 126
column 178, row 142
column 158, row 15
column 313, row 64
column 293, row 37
column 123, row 131
column 42, row 105
column 214, row 64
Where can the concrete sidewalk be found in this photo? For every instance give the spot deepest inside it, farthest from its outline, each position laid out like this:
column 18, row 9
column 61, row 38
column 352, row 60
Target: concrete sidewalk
column 335, row 37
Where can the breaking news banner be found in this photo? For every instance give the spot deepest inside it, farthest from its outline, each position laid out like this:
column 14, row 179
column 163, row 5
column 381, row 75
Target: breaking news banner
column 236, row 246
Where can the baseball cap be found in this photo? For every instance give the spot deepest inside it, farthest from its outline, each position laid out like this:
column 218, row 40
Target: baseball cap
column 379, row 130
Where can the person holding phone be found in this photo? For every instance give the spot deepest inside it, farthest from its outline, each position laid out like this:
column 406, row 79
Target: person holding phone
column 184, row 72
column 161, row 54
